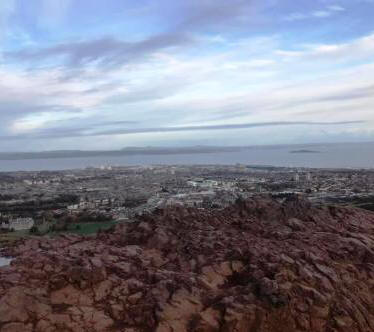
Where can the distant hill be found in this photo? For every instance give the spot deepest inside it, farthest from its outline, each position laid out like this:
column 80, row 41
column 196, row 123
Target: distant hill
column 305, row 151
column 123, row 152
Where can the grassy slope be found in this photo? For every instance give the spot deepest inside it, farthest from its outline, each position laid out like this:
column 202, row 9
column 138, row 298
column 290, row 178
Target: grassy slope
column 87, row 228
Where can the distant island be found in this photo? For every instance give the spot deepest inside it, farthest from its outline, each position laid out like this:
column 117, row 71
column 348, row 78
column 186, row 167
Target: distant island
column 305, row 151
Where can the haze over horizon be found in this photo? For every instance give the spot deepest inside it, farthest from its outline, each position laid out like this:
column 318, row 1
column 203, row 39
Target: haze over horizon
column 94, row 75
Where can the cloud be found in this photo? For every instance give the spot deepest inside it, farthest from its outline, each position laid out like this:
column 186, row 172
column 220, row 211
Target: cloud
column 115, row 123
column 26, row 103
column 358, row 93
column 331, row 94
column 215, row 13
column 295, row 17
column 175, row 90
column 68, row 127
column 336, row 8
column 322, row 13
column 166, row 70
column 356, row 49
column 81, row 132
column 339, row 95
column 222, row 127
column 105, row 51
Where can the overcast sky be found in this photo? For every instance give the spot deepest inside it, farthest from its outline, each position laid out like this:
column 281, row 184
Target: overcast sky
column 109, row 74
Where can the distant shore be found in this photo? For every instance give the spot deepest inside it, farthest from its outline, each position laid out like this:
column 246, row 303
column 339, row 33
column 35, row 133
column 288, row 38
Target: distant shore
column 305, row 151
column 116, row 153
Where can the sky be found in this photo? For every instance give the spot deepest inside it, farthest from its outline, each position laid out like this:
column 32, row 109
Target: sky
column 93, row 74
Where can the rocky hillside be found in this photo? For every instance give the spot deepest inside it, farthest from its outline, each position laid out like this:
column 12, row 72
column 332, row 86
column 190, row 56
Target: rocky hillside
column 258, row 266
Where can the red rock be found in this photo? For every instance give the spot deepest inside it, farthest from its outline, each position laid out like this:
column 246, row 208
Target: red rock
column 68, row 295
column 13, row 306
column 17, row 327
column 103, row 290
column 134, row 299
column 259, row 266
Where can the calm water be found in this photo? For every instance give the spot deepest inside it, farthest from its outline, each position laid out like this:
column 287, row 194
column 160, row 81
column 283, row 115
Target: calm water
column 354, row 155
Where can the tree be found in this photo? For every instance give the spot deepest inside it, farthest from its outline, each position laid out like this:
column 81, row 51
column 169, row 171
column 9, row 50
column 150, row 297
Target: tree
column 34, row 230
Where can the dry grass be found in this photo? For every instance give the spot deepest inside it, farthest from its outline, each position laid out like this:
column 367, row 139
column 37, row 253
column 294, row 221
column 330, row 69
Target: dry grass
column 8, row 238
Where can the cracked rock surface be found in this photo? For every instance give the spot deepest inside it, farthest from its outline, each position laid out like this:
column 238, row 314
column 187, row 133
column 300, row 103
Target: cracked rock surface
column 258, row 266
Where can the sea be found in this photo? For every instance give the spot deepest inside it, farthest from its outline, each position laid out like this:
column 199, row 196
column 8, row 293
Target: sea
column 350, row 155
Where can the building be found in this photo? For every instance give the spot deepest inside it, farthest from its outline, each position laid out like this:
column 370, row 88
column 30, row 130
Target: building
column 203, row 183
column 18, row 224
column 296, row 177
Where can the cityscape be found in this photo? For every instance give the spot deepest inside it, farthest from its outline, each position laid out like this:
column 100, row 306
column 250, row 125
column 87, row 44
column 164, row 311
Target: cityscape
column 47, row 200
column 187, row 166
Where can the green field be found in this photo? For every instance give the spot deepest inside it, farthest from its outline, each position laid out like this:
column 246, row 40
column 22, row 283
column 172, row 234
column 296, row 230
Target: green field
column 76, row 228
column 87, row 228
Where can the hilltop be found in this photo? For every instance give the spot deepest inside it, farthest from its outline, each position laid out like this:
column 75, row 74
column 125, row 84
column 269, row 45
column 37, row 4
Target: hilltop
column 259, row 265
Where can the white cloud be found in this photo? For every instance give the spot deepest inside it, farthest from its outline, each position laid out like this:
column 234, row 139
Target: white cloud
column 357, row 49
column 296, row 17
column 323, row 13
column 176, row 89
column 336, row 8
column 223, row 80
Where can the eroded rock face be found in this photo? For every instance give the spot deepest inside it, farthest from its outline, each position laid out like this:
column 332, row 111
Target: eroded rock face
column 258, row 266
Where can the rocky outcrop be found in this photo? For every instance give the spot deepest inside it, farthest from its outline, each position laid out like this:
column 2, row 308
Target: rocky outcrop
column 259, row 265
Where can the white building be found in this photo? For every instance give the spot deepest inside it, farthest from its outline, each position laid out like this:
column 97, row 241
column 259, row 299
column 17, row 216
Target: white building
column 19, row 224
column 203, row 183
column 73, row 207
